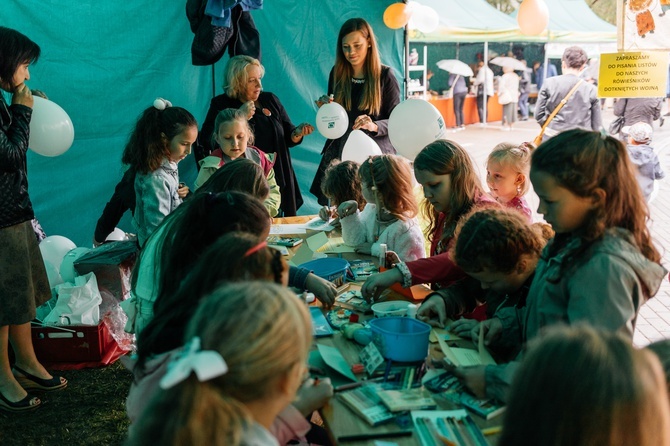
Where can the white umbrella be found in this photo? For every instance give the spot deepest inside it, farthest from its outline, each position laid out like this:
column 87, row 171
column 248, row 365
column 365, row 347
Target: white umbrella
column 509, row 62
column 455, row 66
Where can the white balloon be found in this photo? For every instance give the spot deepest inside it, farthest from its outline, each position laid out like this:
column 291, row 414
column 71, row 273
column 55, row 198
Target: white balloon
column 67, row 271
column 424, row 18
column 332, row 120
column 54, row 248
column 413, row 125
column 53, row 275
column 359, row 147
column 51, row 130
column 116, row 235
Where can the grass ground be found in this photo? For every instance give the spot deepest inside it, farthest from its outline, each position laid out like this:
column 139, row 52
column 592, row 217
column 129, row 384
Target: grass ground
column 90, row 411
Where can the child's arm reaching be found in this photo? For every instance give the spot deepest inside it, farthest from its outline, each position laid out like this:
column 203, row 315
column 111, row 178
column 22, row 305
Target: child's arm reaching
column 354, row 223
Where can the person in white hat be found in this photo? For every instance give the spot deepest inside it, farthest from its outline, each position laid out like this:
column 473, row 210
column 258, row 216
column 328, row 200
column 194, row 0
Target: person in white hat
column 643, row 156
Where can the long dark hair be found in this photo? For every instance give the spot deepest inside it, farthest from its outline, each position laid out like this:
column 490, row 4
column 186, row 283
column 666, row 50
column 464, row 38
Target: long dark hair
column 343, row 72
column 581, row 162
column 193, row 226
column 148, row 143
column 228, row 259
column 444, row 157
column 15, row 49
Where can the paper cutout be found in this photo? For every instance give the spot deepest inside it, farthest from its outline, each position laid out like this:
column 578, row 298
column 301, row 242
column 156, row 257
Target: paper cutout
column 334, row 359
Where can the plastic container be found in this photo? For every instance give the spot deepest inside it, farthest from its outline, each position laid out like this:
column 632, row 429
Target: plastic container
column 400, row 338
column 390, row 308
column 332, row 269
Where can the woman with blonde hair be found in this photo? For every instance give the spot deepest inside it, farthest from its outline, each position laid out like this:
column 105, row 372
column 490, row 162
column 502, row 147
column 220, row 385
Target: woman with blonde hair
column 583, row 386
column 366, row 89
column 243, row 362
column 274, row 133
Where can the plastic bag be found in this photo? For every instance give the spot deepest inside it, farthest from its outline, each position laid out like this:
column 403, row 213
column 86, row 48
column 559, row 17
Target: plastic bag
column 77, row 304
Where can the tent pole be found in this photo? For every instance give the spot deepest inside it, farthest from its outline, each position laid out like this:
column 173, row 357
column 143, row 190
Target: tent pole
column 485, row 99
column 213, row 81
column 545, row 65
column 406, row 62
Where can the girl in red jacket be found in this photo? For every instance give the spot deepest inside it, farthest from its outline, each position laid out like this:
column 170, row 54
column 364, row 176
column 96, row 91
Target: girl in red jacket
column 451, row 189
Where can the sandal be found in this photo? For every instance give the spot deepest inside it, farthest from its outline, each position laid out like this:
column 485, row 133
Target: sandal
column 32, row 382
column 30, row 402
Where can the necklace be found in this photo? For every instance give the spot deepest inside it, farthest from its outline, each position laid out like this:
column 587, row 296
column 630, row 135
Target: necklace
column 357, row 81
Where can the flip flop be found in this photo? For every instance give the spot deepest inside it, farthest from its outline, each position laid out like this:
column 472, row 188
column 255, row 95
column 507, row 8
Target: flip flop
column 24, row 405
column 32, row 382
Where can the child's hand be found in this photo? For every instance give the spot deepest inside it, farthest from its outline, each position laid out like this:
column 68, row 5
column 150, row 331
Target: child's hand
column 465, row 327
column 433, row 311
column 249, row 109
column 323, row 100
column 183, row 190
column 364, row 248
column 312, row 396
column 474, row 378
column 326, row 213
column 347, row 208
column 323, row 289
column 491, row 328
column 377, row 283
column 392, row 258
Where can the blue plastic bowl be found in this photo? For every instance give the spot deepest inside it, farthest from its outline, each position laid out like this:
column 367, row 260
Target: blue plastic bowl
column 400, row 338
column 332, row 269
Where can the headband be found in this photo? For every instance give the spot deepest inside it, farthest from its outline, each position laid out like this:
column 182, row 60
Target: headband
column 206, row 364
column 256, row 248
column 162, row 104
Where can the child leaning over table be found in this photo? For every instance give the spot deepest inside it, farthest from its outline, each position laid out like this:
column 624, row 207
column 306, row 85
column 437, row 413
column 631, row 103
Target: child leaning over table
column 642, row 155
column 390, row 215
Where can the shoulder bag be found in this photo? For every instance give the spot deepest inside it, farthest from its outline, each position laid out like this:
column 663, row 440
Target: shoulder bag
column 538, row 139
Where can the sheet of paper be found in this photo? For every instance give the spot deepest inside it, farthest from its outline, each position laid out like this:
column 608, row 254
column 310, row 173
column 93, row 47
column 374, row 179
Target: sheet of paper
column 287, row 229
column 316, row 241
column 335, row 245
column 302, row 255
column 334, row 359
column 316, row 224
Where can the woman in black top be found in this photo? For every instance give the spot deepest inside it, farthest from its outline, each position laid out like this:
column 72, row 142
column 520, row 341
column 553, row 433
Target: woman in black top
column 366, row 89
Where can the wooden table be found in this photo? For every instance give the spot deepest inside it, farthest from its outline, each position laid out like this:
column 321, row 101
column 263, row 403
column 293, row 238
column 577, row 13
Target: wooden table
column 338, row 419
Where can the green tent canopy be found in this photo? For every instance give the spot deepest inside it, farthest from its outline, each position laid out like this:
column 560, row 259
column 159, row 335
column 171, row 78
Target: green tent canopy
column 477, row 21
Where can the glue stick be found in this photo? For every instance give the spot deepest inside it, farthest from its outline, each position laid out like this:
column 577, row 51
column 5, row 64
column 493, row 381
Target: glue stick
column 382, row 255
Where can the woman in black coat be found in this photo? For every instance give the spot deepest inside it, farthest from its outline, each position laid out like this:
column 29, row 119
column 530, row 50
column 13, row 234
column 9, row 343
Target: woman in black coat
column 273, row 130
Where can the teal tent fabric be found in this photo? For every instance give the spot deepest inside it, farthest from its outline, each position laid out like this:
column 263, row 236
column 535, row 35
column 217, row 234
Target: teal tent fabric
column 104, row 62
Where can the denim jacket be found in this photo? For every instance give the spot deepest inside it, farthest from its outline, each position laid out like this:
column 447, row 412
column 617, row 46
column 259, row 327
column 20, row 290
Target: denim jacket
column 156, row 197
column 605, row 288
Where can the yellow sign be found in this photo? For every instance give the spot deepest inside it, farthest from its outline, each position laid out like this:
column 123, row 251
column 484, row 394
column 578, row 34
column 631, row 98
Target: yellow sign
column 633, row 75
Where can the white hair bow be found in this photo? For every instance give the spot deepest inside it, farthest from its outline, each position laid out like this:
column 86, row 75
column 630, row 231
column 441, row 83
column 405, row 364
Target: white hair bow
column 162, row 104
column 206, row 364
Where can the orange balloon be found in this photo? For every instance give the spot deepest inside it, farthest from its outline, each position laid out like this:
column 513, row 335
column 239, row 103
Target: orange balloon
column 396, row 16
column 533, row 17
